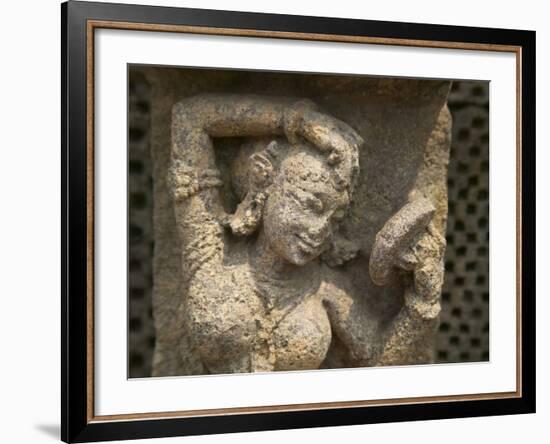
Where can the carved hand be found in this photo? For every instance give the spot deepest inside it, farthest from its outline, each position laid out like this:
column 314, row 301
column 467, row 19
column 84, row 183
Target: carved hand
column 425, row 258
column 302, row 120
column 409, row 248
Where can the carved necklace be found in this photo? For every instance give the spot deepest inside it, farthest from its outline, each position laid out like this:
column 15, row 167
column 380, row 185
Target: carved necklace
column 280, row 297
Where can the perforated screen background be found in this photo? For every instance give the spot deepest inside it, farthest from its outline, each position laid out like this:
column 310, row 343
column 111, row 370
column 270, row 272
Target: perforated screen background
column 464, row 328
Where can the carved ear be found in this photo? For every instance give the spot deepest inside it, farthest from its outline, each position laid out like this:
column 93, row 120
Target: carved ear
column 261, row 168
column 261, row 171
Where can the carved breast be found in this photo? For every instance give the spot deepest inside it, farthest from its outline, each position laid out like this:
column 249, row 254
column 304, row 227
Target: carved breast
column 303, row 338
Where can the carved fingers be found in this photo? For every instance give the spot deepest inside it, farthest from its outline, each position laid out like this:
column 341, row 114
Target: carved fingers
column 410, row 249
column 395, row 245
column 424, row 273
column 429, row 271
column 428, row 279
column 293, row 118
column 302, row 120
column 424, row 262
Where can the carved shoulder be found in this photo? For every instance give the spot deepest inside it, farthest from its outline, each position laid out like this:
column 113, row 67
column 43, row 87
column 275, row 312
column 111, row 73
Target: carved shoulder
column 350, row 318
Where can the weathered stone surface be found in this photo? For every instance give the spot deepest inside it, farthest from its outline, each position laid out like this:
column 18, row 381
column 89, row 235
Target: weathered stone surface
column 269, row 191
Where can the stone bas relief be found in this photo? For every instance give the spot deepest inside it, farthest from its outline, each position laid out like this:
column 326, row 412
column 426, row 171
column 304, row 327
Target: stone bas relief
column 267, row 202
column 272, row 300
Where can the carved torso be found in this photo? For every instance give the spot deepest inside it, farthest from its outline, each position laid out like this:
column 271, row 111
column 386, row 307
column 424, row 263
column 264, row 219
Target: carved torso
column 241, row 322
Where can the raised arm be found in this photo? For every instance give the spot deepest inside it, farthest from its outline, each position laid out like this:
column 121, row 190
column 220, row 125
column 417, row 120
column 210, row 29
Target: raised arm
column 409, row 337
column 407, row 254
column 193, row 177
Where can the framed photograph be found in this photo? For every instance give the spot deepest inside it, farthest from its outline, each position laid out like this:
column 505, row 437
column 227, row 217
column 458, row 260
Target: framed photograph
column 275, row 221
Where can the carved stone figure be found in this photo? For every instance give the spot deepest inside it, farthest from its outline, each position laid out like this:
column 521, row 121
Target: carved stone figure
column 298, row 219
column 263, row 285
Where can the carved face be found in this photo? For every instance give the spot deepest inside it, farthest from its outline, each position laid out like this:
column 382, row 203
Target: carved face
column 303, row 208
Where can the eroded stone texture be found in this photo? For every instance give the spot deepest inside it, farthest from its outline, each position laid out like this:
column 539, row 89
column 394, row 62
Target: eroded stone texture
column 299, row 229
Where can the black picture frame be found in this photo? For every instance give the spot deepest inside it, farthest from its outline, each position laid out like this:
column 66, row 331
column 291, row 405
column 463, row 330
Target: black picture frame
column 76, row 423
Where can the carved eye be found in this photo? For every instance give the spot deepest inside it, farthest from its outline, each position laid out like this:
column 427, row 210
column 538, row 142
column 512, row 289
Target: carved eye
column 315, row 203
column 307, row 200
